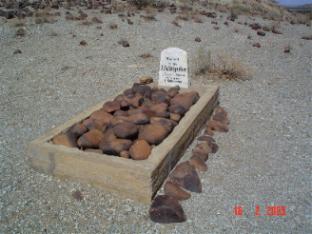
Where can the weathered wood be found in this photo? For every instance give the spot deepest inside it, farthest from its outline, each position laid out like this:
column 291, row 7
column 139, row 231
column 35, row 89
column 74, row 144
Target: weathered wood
column 138, row 180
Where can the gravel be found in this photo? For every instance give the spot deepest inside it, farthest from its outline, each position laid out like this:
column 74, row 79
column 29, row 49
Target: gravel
column 265, row 159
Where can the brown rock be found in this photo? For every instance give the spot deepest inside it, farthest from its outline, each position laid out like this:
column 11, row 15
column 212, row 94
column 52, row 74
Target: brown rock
column 115, row 147
column 177, row 109
column 120, row 113
column 167, row 123
column 186, row 176
column 209, row 132
column 124, row 154
column 257, row 45
column 78, row 129
column 210, row 141
column 109, row 135
column 220, row 115
column 142, row 90
column 90, row 139
column 111, row 106
column 146, row 80
column 102, row 115
column 174, row 190
column 17, row 51
column 201, row 155
column 135, row 101
column 261, row 33
column 153, row 133
column 217, row 126
column 203, row 147
column 95, row 124
column 185, row 100
column 65, row 139
column 198, row 163
column 125, row 130
column 140, row 150
column 139, row 118
column 166, row 209
column 159, row 96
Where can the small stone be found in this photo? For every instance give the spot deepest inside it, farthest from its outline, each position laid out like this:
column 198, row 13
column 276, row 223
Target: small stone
column 145, row 55
column 198, row 163
column 124, row 43
column 174, row 190
column 97, row 20
column 78, row 129
column 166, row 209
column 102, row 115
column 159, row 96
column 220, row 115
column 203, row 148
column 186, row 176
column 90, row 139
column 255, row 26
column 77, row 195
column 217, row 126
column 146, row 80
column 114, row 147
column 139, row 118
column 125, row 130
column 113, row 26
column 140, row 150
column 21, row 32
column 167, row 123
column 287, row 49
column 202, row 156
column 257, row 45
column 153, row 133
column 99, row 124
column 17, row 51
column 261, row 33
column 197, row 39
column 83, row 43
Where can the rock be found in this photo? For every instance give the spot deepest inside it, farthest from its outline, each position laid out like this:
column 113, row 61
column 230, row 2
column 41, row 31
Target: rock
column 159, row 96
column 111, row 106
column 124, row 43
column 124, row 154
column 97, row 20
column 21, row 32
column 261, row 33
column 90, row 139
column 185, row 100
column 77, row 195
column 174, row 190
column 159, row 108
column 153, row 133
column 197, row 39
column 102, row 115
column 166, row 209
column 145, row 56
column 78, row 129
column 198, row 163
column 65, row 139
column 139, row 118
column 217, row 126
column 287, row 49
column 118, row 120
column 128, row 93
column 135, row 101
column 95, row 124
column 114, row 147
column 186, row 176
column 175, row 117
column 113, row 26
column 83, row 43
column 141, row 89
column 146, row 80
column 140, row 150
column 129, row 21
column 17, row 51
column 257, row 45
column 210, row 141
column 172, row 92
column 120, row 113
column 276, row 31
column 125, row 130
column 255, row 26
column 220, row 115
column 202, row 156
column 203, row 148
column 216, row 28
column 167, row 123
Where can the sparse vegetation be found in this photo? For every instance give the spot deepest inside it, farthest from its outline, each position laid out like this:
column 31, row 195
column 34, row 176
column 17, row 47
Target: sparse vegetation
column 221, row 66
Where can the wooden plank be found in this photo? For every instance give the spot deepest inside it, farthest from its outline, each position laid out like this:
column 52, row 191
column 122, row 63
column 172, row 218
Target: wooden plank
column 138, row 180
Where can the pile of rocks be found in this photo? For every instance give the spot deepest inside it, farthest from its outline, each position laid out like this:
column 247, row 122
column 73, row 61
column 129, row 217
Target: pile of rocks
column 131, row 124
column 166, row 208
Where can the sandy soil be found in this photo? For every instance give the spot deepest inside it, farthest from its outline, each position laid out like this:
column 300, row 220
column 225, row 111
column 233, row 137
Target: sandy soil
column 264, row 160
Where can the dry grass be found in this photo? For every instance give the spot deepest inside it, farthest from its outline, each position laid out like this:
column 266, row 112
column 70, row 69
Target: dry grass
column 221, row 66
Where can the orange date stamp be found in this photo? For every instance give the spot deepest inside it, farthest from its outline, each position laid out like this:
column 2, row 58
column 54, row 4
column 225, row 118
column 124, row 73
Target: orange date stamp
column 276, row 211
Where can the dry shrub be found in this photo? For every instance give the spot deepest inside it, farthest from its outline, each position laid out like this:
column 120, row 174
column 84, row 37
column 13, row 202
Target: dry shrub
column 220, row 66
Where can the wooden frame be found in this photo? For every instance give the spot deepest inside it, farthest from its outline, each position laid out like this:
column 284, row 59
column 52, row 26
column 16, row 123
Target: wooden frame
column 138, row 180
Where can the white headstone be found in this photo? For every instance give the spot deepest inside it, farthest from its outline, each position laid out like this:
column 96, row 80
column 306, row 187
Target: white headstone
column 173, row 70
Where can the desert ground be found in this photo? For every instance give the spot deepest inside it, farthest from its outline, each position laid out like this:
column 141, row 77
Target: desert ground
column 265, row 158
